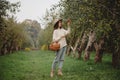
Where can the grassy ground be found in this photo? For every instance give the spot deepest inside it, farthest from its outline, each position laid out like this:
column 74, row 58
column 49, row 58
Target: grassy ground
column 36, row 65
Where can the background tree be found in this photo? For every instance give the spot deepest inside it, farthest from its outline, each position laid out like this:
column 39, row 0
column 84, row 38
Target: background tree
column 14, row 37
column 33, row 28
column 99, row 16
column 6, row 8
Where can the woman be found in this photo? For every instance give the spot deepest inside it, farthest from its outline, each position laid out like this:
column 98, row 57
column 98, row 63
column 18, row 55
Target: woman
column 59, row 35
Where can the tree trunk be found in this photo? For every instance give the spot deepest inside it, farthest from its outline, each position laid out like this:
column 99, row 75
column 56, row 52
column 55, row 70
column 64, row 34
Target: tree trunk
column 116, row 53
column 3, row 48
column 68, row 50
column 89, row 45
column 116, row 59
column 99, row 50
column 75, row 47
column 82, row 46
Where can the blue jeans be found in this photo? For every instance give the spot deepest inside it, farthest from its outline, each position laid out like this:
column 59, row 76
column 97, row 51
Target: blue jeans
column 59, row 58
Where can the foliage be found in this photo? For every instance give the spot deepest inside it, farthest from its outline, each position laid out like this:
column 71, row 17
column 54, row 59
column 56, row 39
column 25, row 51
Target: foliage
column 33, row 29
column 27, row 49
column 14, row 37
column 45, row 36
column 44, row 47
column 7, row 8
column 99, row 16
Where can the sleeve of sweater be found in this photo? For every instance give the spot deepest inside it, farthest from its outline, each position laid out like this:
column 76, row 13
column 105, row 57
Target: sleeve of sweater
column 67, row 31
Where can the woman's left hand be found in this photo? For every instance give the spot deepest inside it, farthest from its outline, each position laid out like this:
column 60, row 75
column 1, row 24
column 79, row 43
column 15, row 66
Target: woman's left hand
column 63, row 36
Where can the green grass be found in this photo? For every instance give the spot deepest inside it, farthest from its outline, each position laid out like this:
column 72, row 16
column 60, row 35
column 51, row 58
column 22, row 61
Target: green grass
column 36, row 65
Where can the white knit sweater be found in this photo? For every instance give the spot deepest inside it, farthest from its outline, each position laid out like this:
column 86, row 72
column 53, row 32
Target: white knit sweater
column 58, row 33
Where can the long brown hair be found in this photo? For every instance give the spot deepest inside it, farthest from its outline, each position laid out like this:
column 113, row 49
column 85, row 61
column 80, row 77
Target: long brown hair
column 56, row 25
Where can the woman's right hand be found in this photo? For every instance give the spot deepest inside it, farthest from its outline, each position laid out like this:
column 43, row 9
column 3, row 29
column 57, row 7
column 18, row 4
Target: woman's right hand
column 68, row 22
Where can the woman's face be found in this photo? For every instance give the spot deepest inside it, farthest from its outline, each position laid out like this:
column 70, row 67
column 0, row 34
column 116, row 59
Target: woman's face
column 60, row 24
